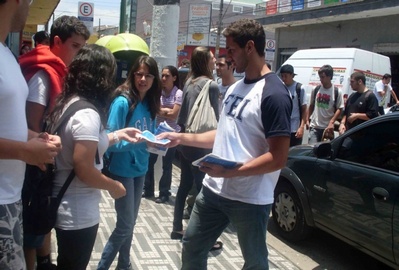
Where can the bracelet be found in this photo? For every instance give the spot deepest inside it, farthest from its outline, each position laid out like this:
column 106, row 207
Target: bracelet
column 115, row 136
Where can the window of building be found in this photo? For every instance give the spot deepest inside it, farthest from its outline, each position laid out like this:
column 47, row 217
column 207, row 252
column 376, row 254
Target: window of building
column 237, row 9
column 215, row 6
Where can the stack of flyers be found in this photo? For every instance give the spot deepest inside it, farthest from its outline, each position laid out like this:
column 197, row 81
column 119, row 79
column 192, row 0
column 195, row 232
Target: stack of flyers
column 164, row 127
column 158, row 148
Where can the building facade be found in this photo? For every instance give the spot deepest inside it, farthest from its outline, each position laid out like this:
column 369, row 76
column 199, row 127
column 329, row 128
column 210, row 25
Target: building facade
column 366, row 24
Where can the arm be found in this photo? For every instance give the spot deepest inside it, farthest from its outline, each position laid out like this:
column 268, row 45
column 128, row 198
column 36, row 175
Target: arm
column 200, row 140
column 126, row 134
column 170, row 113
column 342, row 126
column 83, row 163
column 34, row 116
column 310, row 109
column 394, row 96
column 271, row 161
column 36, row 151
column 332, row 121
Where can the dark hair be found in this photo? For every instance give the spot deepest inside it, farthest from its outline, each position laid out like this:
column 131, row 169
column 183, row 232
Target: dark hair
column 173, row 71
column 387, row 76
column 22, row 47
column 245, row 30
column 358, row 75
column 41, row 36
column 327, row 70
column 200, row 63
column 65, row 26
column 154, row 93
column 91, row 76
column 225, row 57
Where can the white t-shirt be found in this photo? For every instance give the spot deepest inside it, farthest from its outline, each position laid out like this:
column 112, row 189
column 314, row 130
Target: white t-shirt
column 79, row 207
column 324, row 107
column 13, row 93
column 252, row 112
column 39, row 86
column 382, row 100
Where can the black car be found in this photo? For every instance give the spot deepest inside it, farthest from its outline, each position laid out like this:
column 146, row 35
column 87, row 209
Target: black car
column 348, row 187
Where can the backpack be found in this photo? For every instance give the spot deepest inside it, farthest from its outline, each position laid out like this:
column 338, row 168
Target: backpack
column 202, row 116
column 107, row 159
column 40, row 207
column 316, row 90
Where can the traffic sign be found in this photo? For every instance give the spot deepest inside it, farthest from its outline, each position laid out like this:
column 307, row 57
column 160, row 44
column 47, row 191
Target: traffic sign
column 86, row 14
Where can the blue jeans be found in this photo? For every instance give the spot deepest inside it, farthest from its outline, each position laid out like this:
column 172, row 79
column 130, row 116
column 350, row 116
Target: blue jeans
column 166, row 179
column 315, row 135
column 127, row 209
column 211, row 215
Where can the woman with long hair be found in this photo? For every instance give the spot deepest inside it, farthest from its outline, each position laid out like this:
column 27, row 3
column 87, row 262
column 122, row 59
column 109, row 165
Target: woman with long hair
column 202, row 65
column 136, row 103
column 84, row 140
column 171, row 100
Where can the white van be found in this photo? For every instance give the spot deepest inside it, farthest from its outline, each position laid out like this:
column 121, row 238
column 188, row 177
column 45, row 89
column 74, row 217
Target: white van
column 344, row 61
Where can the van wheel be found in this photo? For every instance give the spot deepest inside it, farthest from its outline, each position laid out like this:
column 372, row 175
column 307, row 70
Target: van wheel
column 288, row 213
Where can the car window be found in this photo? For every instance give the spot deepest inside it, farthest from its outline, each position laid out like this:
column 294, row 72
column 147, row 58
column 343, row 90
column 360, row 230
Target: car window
column 376, row 145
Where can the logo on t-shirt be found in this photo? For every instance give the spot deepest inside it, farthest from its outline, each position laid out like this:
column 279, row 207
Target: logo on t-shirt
column 323, row 100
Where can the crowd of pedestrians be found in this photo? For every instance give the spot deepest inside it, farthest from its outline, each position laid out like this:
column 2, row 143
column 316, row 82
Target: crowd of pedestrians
column 259, row 118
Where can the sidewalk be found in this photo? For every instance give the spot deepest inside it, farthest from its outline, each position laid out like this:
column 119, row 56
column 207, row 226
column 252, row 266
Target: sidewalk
column 152, row 248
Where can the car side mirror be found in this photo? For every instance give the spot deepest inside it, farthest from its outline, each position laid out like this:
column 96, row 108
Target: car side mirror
column 322, row 150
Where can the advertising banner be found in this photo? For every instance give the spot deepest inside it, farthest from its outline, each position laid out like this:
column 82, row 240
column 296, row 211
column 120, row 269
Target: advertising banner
column 198, row 26
column 271, row 7
column 297, row 4
column 284, row 6
column 314, row 3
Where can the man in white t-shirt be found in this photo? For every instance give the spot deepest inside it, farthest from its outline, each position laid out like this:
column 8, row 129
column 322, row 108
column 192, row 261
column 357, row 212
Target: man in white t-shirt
column 325, row 105
column 298, row 115
column 254, row 128
column 44, row 69
column 18, row 145
column 383, row 91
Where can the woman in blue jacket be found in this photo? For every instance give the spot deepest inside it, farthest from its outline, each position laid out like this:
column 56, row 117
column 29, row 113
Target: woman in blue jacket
column 136, row 103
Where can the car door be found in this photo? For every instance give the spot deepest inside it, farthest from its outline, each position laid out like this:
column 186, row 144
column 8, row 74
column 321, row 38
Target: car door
column 361, row 186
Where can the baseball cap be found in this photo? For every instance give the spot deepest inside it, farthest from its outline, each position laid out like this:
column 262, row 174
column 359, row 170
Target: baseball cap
column 287, row 69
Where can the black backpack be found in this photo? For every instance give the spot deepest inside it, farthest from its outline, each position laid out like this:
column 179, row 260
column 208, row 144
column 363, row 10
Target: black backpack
column 39, row 206
column 298, row 94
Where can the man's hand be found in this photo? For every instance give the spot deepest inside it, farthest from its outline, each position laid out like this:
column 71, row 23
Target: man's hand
column 40, row 151
column 299, row 133
column 217, row 170
column 117, row 191
column 174, row 138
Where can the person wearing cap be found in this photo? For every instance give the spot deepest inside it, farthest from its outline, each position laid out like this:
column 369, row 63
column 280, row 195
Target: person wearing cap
column 41, row 37
column 299, row 107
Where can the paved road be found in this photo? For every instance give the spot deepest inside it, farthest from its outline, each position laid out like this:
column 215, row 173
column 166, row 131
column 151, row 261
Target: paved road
column 153, row 249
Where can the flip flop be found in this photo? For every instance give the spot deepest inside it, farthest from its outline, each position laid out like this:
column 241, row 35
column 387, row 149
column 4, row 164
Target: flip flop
column 218, row 245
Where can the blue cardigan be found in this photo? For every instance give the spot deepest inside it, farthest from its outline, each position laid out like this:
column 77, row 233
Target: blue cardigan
column 129, row 159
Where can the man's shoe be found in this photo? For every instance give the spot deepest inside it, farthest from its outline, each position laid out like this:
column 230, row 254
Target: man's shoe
column 162, row 199
column 218, row 245
column 147, row 195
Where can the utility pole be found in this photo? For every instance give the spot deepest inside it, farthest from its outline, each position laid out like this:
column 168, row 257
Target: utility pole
column 219, row 32
column 164, row 34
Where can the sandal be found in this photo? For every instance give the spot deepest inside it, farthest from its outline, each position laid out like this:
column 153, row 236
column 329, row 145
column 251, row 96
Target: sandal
column 218, row 245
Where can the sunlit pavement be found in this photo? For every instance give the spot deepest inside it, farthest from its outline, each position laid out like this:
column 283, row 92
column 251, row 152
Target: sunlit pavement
column 152, row 247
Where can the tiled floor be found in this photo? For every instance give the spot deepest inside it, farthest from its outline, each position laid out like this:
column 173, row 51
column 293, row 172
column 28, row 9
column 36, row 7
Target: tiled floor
column 152, row 248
